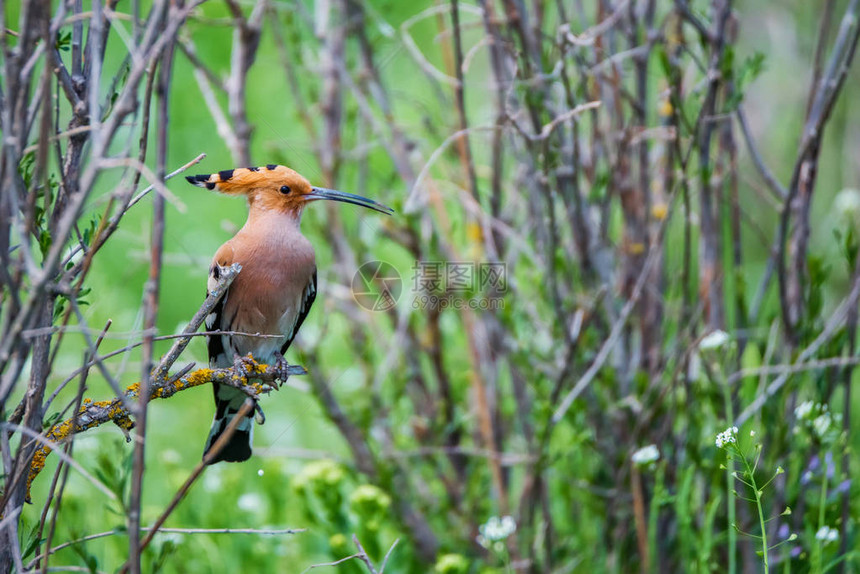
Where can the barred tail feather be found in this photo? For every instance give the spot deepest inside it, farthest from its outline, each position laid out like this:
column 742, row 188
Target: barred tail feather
column 228, row 401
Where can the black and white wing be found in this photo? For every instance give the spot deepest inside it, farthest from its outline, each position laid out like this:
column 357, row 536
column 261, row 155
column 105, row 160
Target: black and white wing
column 308, row 297
column 228, row 400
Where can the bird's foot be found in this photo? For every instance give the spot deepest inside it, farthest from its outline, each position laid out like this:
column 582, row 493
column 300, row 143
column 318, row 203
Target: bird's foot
column 245, row 366
column 282, row 368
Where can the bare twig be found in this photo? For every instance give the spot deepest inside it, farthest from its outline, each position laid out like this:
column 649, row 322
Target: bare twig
column 262, row 379
column 616, row 331
column 210, row 455
column 96, row 536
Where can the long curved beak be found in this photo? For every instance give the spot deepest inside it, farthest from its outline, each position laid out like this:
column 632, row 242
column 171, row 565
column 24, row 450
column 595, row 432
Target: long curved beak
column 334, row 195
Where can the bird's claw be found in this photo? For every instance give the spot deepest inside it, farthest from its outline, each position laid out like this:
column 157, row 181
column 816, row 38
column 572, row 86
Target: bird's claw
column 281, row 367
column 244, row 365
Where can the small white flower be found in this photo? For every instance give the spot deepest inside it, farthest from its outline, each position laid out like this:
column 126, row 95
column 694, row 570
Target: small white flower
column 847, row 203
column 646, row 455
column 827, row 534
column 496, row 529
column 260, row 472
column 714, row 340
column 804, row 409
column 822, row 423
column 728, row 436
column 251, row 502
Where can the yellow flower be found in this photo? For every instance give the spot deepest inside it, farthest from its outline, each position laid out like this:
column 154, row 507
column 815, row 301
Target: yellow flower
column 371, row 504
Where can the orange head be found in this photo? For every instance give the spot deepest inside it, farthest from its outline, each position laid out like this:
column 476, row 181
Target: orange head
column 278, row 188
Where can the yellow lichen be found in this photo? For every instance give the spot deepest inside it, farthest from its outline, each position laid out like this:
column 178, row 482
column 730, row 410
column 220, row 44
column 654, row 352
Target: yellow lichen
column 124, row 422
column 60, row 431
column 96, row 413
column 260, row 368
column 36, row 467
column 199, row 377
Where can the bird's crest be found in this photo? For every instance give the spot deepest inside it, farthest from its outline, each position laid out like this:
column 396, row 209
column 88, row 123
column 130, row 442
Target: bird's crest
column 277, row 187
column 242, row 179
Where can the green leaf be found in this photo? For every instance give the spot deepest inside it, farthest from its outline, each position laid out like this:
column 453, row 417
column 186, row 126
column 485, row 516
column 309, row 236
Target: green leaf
column 727, row 63
column 663, row 58
column 33, row 541
column 59, row 307
column 64, row 41
column 90, row 561
column 45, row 242
column 745, row 74
column 25, row 168
column 751, row 359
column 51, row 420
column 168, row 547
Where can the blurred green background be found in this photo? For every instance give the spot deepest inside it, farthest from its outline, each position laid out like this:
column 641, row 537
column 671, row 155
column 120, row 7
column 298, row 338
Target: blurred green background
column 295, row 479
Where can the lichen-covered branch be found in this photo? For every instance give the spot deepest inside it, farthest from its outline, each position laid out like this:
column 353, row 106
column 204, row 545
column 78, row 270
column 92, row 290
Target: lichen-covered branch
column 255, row 380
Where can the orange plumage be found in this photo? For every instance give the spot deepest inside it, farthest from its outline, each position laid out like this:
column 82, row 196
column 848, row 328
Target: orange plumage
column 270, row 298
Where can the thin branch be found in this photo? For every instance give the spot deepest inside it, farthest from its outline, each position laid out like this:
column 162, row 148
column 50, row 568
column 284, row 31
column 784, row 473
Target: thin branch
column 115, row 532
column 388, row 555
column 257, row 380
column 617, row 328
column 776, row 188
column 49, row 445
column 210, row 456
column 362, row 555
column 835, row 322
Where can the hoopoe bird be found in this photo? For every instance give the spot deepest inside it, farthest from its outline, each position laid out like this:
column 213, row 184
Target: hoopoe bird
column 273, row 293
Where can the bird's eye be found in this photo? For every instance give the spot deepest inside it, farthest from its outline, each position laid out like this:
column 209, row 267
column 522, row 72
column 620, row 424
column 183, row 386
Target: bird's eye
column 285, row 189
